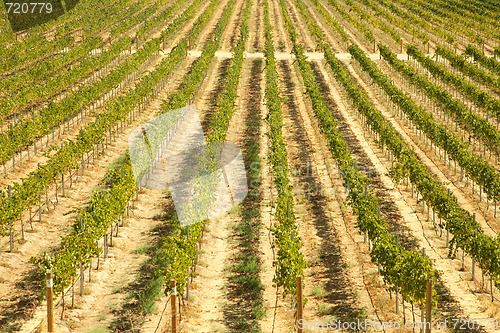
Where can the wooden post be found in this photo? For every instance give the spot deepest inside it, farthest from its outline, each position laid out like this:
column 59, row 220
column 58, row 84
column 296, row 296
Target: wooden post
column 63, row 191
column 473, row 267
column 428, row 307
column 40, row 206
column 447, row 237
column 50, row 304
column 187, row 280
column 300, row 302
column 397, row 302
column 463, row 260
column 11, row 223
column 173, row 298
column 82, row 280
column 491, row 288
column 105, row 246
column 423, row 323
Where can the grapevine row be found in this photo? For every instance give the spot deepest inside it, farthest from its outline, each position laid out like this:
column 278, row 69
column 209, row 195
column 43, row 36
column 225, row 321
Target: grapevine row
column 331, row 21
column 481, row 128
column 179, row 250
column 459, row 62
column 451, row 16
column 290, row 261
column 92, row 223
column 470, row 18
column 351, row 19
column 226, row 100
column 189, row 84
column 478, row 169
column 481, row 97
column 478, row 56
column 181, row 97
column 155, row 21
column 24, row 132
column 395, row 20
column 419, row 28
column 104, row 209
column 467, row 233
column 436, row 22
column 38, row 92
column 54, row 114
column 21, row 90
column 407, row 8
column 38, row 47
column 25, row 194
column 367, row 16
column 40, row 70
column 404, row 270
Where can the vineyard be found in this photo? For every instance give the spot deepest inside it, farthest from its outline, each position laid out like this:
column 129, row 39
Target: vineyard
column 369, row 135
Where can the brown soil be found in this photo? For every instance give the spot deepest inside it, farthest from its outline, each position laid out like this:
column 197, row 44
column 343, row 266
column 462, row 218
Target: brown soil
column 341, row 281
column 328, row 264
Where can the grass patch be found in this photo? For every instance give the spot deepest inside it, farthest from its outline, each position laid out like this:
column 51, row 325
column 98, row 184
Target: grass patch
column 116, row 289
column 99, row 330
column 148, row 286
column 141, row 249
column 324, row 310
column 151, row 295
column 318, row 291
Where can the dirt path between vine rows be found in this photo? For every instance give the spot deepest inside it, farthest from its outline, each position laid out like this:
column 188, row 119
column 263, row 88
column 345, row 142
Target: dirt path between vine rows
column 204, row 309
column 280, row 36
column 52, row 236
column 491, row 224
column 457, row 300
column 334, row 283
column 15, row 267
column 454, row 309
column 103, row 295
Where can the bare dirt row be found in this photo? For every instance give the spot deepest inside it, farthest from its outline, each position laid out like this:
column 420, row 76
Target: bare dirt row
column 16, row 306
column 466, row 303
column 341, row 281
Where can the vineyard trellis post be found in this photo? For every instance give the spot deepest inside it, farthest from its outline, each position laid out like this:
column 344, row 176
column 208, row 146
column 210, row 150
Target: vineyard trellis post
column 422, row 318
column 300, row 302
column 473, row 267
column 11, row 223
column 63, row 191
column 187, row 273
column 50, row 303
column 396, row 291
column 428, row 307
column 173, row 298
column 82, row 280
column 491, row 288
column 105, row 246
column 397, row 302
column 40, row 206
